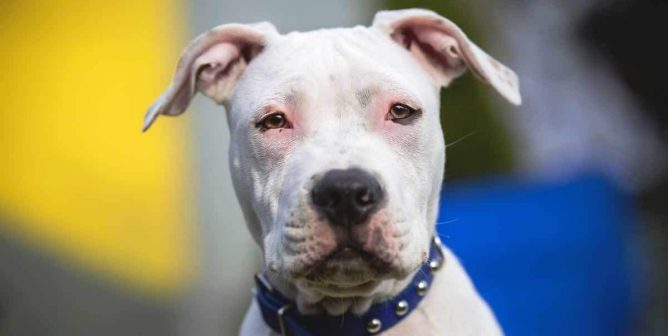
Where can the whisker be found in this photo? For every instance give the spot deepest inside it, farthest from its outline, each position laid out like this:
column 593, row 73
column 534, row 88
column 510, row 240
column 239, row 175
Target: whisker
column 460, row 139
column 448, row 221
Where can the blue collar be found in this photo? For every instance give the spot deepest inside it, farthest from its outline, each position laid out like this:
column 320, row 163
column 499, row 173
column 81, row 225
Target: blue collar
column 281, row 314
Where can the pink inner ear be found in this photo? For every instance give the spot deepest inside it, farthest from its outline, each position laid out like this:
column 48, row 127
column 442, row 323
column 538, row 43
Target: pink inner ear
column 215, row 60
column 437, row 52
column 445, row 45
column 216, row 71
column 444, row 50
column 213, row 66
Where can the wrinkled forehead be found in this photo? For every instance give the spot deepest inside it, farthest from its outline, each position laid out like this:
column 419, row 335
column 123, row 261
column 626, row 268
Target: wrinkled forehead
column 347, row 64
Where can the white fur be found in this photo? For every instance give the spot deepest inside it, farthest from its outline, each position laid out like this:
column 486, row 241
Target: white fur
column 335, row 87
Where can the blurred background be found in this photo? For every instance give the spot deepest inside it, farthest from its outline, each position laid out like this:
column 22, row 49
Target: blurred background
column 558, row 208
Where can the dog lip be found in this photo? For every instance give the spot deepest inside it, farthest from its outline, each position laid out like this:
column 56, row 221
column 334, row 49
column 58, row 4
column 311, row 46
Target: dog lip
column 348, row 252
column 345, row 253
column 343, row 290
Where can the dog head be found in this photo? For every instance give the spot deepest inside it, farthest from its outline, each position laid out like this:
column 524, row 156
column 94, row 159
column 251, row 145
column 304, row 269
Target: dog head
column 337, row 152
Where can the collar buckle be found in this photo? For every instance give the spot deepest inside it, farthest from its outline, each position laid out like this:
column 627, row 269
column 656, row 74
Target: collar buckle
column 281, row 323
column 262, row 281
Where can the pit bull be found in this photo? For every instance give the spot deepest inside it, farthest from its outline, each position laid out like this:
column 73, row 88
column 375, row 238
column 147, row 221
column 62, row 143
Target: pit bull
column 337, row 157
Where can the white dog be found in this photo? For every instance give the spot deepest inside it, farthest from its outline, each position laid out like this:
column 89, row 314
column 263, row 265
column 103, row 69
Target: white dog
column 337, row 159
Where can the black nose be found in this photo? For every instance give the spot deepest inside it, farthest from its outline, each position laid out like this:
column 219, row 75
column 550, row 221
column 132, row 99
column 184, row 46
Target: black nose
column 347, row 197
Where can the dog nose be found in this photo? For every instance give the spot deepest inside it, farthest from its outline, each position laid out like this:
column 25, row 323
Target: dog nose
column 347, row 196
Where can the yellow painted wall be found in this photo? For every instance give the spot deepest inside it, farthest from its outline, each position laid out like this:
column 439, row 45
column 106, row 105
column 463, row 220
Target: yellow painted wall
column 77, row 177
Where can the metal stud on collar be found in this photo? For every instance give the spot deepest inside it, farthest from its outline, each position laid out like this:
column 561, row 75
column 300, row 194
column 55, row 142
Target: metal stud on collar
column 434, row 265
column 402, row 308
column 374, row 326
column 422, row 287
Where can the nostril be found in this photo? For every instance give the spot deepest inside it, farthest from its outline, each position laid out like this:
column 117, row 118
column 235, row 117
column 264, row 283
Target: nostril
column 365, row 197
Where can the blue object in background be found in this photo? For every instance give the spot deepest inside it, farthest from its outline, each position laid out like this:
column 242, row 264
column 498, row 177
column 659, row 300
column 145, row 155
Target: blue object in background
column 550, row 259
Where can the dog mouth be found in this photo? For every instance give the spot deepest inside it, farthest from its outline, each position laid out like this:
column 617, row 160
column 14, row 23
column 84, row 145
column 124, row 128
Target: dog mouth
column 347, row 266
column 343, row 290
column 345, row 253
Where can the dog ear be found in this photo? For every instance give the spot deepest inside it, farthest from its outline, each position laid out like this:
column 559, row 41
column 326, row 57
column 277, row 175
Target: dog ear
column 444, row 50
column 211, row 64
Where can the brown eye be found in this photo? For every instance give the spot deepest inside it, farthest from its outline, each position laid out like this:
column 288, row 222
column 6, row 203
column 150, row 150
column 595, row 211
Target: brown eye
column 273, row 121
column 400, row 111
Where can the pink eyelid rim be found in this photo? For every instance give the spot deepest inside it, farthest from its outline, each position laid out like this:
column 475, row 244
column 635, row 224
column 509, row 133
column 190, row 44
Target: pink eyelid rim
column 274, row 109
column 405, row 102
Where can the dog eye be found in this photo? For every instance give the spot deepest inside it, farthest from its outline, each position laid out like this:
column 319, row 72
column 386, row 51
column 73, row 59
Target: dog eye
column 400, row 112
column 273, row 121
